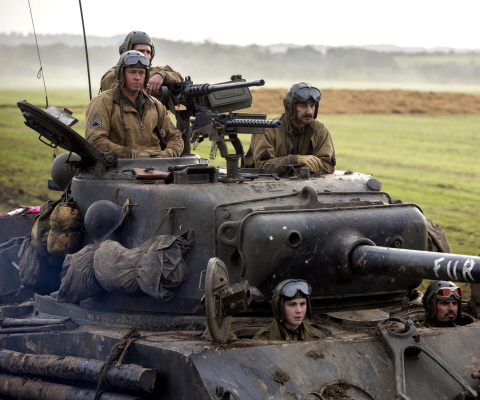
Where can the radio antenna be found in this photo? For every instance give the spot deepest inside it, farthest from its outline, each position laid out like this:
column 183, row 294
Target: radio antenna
column 86, row 50
column 40, row 71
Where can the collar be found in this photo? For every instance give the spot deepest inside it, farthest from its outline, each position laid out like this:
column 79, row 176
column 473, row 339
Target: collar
column 286, row 332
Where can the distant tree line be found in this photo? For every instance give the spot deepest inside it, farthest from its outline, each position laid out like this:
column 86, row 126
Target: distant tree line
column 212, row 62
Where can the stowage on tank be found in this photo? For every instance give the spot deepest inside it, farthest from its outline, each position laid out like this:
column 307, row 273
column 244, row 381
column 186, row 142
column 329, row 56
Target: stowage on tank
column 177, row 264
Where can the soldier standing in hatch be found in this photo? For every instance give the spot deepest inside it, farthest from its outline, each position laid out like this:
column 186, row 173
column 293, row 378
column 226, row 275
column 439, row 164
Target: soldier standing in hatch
column 290, row 303
column 443, row 305
column 301, row 139
column 140, row 41
column 128, row 122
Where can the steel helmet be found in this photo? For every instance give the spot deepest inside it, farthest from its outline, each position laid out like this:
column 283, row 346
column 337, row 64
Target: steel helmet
column 301, row 92
column 441, row 290
column 102, row 218
column 133, row 38
column 287, row 290
column 62, row 172
column 132, row 58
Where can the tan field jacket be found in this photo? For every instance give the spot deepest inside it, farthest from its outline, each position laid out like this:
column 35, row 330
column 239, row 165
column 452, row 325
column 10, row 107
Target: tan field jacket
column 275, row 148
column 105, row 129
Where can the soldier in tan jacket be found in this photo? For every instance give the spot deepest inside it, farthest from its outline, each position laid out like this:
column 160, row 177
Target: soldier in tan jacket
column 140, row 41
column 128, row 122
column 301, row 139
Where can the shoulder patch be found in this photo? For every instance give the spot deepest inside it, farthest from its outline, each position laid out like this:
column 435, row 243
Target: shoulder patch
column 96, row 121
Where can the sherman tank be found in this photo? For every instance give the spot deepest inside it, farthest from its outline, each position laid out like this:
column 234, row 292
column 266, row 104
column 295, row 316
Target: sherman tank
column 172, row 274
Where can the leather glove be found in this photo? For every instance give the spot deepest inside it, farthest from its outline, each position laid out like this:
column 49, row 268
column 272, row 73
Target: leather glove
column 313, row 163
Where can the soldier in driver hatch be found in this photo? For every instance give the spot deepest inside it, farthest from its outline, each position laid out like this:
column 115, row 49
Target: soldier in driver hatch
column 301, row 139
column 443, row 304
column 128, row 122
column 290, row 303
column 140, row 41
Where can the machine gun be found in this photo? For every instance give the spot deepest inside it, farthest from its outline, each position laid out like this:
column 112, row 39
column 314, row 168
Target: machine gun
column 215, row 126
column 222, row 97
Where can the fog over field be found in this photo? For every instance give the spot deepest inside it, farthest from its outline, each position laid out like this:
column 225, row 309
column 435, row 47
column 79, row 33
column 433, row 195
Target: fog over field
column 64, row 63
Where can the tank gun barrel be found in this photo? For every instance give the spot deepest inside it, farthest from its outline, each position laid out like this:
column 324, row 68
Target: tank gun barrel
column 366, row 259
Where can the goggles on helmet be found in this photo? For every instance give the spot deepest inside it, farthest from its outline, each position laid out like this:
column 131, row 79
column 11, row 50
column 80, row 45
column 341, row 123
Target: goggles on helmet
column 134, row 59
column 446, row 292
column 291, row 289
column 306, row 94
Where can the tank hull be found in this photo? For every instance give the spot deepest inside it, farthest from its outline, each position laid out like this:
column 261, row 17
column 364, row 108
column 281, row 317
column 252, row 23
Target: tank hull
column 189, row 366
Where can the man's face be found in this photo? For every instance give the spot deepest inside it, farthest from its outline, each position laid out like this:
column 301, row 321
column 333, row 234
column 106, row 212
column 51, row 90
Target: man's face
column 446, row 310
column 303, row 114
column 145, row 49
column 134, row 79
column 294, row 311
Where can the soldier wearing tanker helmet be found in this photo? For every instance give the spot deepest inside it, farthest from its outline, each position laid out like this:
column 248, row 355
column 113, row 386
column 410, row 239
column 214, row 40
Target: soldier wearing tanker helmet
column 443, row 304
column 128, row 122
column 301, row 139
column 290, row 304
column 140, row 41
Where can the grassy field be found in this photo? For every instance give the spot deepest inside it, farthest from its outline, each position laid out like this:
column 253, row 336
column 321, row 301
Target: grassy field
column 431, row 161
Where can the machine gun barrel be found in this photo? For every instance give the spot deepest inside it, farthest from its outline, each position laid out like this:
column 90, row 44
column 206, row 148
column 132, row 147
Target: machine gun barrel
column 204, row 89
column 366, row 259
column 253, row 123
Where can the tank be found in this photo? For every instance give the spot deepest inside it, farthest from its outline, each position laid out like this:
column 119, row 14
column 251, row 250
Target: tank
column 180, row 325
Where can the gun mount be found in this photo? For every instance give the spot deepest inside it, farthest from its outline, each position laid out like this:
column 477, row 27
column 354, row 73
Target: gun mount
column 215, row 127
column 222, row 97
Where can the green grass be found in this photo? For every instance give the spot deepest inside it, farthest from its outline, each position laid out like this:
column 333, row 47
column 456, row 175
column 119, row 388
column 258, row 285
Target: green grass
column 430, row 161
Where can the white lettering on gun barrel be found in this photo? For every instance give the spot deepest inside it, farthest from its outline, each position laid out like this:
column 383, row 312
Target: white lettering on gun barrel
column 455, row 271
column 467, row 268
column 437, row 265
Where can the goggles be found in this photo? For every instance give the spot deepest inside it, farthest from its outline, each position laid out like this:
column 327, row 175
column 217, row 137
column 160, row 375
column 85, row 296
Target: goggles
column 290, row 289
column 134, row 59
column 306, row 94
column 446, row 292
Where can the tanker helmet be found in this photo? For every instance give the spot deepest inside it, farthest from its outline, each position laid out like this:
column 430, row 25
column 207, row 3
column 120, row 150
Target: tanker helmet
column 133, row 38
column 288, row 290
column 441, row 290
column 131, row 58
column 301, row 92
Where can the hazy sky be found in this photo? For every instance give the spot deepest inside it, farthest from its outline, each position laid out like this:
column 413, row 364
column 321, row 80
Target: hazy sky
column 424, row 23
